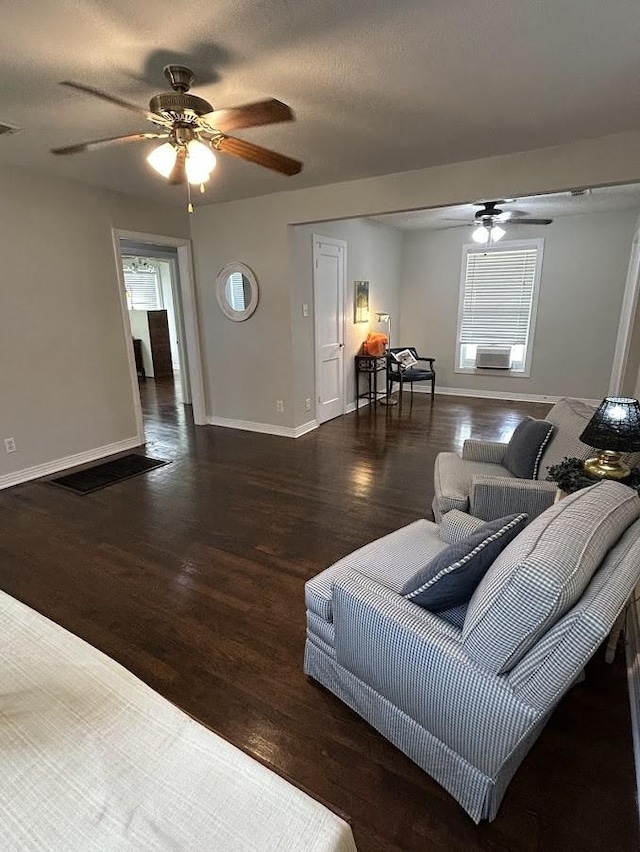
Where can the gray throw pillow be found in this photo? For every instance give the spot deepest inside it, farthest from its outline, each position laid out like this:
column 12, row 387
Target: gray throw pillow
column 451, row 577
column 524, row 451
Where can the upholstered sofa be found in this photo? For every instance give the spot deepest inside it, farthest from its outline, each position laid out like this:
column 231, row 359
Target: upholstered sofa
column 465, row 693
column 477, row 482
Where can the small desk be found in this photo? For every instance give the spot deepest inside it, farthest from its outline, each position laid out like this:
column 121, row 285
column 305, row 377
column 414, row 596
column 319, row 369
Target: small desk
column 370, row 366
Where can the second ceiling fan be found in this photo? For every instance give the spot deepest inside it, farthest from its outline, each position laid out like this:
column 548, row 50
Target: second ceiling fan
column 488, row 219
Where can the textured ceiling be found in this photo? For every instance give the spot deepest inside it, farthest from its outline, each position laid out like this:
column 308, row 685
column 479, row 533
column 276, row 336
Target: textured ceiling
column 551, row 206
column 378, row 87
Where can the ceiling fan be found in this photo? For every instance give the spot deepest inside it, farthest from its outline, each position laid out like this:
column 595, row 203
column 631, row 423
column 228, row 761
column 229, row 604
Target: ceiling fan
column 193, row 130
column 487, row 221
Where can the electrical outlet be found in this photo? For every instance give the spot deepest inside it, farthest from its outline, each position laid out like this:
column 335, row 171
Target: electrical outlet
column 279, row 406
column 10, row 445
column 307, row 405
column 305, row 310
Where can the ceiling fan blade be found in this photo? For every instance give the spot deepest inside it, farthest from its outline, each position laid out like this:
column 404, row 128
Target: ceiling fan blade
column 269, row 111
column 109, row 140
column 179, row 174
column 507, row 215
column 529, row 221
column 258, row 155
column 96, row 93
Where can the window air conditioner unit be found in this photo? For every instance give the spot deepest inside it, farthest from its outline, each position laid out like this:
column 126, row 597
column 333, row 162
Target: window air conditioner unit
column 494, row 358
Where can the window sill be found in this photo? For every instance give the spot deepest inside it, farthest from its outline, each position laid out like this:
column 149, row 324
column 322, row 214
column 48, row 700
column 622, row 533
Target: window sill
column 479, row 371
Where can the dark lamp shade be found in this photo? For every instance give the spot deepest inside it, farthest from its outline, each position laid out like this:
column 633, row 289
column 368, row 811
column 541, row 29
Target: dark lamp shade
column 615, row 426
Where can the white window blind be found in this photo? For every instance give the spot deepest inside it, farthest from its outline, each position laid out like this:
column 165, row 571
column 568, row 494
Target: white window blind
column 142, row 290
column 235, row 291
column 498, row 297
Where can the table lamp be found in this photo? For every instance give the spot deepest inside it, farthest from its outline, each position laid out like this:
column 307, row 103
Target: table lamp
column 614, row 429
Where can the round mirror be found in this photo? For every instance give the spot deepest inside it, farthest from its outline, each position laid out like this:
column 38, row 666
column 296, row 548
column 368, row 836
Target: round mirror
column 237, row 291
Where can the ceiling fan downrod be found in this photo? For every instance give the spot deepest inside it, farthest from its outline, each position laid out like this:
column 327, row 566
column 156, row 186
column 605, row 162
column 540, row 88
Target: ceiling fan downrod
column 180, row 77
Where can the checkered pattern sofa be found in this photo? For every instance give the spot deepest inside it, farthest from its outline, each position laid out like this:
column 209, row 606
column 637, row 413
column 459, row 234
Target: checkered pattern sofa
column 477, row 483
column 466, row 693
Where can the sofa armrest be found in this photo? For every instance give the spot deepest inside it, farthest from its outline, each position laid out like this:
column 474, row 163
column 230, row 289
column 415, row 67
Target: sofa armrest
column 496, row 496
column 456, row 526
column 483, row 451
column 417, row 663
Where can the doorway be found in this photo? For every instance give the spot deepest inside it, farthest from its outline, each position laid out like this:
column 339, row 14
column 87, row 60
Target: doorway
column 152, row 288
column 155, row 276
column 329, row 273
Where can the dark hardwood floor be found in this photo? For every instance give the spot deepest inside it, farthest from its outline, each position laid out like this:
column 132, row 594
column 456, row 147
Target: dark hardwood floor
column 192, row 577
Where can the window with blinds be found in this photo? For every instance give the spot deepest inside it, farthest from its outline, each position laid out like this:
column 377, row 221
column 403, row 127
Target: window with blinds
column 143, row 289
column 498, row 298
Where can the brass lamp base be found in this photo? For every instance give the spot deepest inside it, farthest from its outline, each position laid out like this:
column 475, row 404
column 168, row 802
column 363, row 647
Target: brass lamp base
column 607, row 465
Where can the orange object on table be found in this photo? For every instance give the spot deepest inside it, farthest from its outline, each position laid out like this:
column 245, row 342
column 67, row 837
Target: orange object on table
column 375, row 344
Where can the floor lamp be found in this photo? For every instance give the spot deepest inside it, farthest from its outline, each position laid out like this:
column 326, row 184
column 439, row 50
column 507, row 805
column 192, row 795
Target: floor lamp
column 383, row 317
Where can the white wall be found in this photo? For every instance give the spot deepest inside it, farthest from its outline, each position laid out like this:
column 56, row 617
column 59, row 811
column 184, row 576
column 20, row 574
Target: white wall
column 274, row 342
column 374, row 254
column 581, row 289
column 64, row 377
column 164, row 270
column 139, row 323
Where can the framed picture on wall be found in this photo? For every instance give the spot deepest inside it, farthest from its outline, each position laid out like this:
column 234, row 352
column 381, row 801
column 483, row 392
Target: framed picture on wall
column 361, row 302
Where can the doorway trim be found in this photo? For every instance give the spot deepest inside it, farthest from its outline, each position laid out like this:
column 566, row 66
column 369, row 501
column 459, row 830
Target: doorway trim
column 627, row 317
column 189, row 314
column 341, row 244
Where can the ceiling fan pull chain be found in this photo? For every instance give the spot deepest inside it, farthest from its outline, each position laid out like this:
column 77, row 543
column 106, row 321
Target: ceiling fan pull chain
column 189, row 205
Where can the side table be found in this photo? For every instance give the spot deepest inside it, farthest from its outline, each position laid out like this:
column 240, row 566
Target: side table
column 370, row 366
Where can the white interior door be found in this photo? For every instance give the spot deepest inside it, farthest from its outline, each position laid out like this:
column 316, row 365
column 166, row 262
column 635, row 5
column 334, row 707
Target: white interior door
column 329, row 272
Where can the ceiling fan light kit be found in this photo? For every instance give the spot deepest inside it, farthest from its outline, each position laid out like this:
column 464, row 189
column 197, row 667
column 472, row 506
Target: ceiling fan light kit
column 193, row 130
column 488, row 233
column 200, row 160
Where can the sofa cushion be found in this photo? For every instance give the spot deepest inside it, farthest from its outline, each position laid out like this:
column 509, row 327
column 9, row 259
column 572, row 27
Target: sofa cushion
column 543, row 573
column 524, row 450
column 569, row 416
column 390, row 560
column 451, row 577
column 453, row 476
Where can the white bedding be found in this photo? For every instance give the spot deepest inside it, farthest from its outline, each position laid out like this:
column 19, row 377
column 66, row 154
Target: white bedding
column 93, row 760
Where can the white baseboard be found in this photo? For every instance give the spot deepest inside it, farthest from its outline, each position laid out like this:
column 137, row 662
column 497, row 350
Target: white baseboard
column 35, row 472
column 351, row 406
column 486, row 394
column 264, row 428
column 633, row 679
column 306, row 427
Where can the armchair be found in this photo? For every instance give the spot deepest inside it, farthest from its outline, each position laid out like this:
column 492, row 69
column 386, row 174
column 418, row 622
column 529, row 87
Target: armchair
column 476, row 481
column 417, row 373
column 459, row 694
